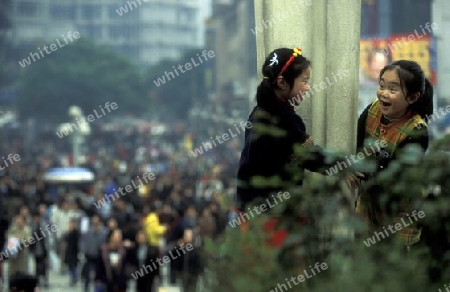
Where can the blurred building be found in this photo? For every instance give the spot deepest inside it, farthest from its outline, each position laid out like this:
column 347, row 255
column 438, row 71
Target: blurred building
column 235, row 44
column 382, row 18
column 145, row 30
column 393, row 30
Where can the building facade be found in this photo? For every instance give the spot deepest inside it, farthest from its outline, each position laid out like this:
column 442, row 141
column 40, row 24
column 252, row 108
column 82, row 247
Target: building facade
column 145, row 30
column 232, row 21
column 381, row 18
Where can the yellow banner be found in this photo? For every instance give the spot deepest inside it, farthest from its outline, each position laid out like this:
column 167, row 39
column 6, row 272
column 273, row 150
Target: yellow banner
column 377, row 53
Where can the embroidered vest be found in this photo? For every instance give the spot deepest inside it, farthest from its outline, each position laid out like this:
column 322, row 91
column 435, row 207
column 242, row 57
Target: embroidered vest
column 394, row 133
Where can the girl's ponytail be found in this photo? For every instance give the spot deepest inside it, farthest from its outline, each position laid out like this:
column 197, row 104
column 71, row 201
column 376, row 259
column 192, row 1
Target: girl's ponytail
column 265, row 94
column 424, row 106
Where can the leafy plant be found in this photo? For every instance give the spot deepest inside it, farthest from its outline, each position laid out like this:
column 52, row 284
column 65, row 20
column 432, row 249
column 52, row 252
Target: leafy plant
column 334, row 235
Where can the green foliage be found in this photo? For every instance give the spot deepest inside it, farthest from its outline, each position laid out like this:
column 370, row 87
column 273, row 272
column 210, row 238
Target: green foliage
column 335, row 235
column 83, row 74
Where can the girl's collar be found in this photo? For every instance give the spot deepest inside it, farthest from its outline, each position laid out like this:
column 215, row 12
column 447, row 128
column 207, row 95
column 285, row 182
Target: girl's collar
column 407, row 114
column 285, row 103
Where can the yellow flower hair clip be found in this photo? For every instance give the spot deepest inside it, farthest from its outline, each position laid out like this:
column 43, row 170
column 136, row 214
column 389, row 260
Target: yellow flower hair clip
column 297, row 52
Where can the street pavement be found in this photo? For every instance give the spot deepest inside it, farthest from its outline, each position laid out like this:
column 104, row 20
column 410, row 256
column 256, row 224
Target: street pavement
column 60, row 283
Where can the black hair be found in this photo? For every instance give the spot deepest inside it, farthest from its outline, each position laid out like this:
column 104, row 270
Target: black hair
column 265, row 94
column 23, row 282
column 413, row 80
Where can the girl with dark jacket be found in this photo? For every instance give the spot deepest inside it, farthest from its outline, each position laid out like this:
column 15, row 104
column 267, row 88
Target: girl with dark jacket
column 273, row 130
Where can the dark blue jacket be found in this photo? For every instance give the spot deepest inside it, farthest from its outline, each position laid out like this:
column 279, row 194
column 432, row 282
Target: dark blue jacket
column 269, row 151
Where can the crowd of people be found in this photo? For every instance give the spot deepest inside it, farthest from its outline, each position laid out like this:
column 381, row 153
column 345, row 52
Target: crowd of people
column 104, row 245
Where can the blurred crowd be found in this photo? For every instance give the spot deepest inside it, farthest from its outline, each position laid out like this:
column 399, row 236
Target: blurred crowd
column 188, row 201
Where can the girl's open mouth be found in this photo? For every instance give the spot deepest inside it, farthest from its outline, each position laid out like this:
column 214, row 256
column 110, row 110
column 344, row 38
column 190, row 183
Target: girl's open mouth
column 385, row 104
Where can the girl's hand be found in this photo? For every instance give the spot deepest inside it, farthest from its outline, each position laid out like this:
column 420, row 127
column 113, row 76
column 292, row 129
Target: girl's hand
column 352, row 180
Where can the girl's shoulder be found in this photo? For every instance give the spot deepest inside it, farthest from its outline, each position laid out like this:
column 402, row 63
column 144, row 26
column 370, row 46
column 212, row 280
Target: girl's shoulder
column 282, row 119
column 263, row 116
column 418, row 122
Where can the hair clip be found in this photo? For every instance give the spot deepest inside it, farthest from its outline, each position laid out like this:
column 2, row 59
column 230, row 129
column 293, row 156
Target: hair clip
column 297, row 52
column 265, row 77
column 274, row 59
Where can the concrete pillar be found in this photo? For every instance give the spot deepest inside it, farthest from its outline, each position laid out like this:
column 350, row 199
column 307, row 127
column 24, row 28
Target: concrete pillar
column 328, row 33
column 441, row 15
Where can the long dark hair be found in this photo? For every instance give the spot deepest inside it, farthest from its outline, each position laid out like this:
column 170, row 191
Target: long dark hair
column 412, row 79
column 265, row 94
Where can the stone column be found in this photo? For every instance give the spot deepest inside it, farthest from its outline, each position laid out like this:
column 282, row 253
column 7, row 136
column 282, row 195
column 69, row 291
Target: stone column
column 328, row 33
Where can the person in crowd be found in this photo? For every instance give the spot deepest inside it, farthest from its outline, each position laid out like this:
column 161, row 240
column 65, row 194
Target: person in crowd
column 122, row 213
column 144, row 254
column 397, row 118
column 4, row 225
column 76, row 213
column 18, row 253
column 44, row 213
column 112, row 224
column 110, row 271
column 91, row 244
column 207, row 224
column 40, row 250
column 153, row 229
column 61, row 215
column 176, row 201
column 130, row 230
column 25, row 213
column 188, row 196
column 72, row 240
column 109, row 189
column 206, row 229
column 219, row 218
column 187, row 266
column 167, row 216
